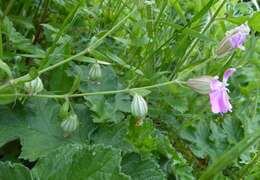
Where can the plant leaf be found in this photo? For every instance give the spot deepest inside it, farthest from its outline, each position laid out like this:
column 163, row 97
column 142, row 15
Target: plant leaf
column 81, row 162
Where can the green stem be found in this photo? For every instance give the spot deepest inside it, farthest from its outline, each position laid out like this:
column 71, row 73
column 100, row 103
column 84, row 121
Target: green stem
column 126, row 90
column 61, row 31
column 88, row 49
column 230, row 156
column 8, row 8
column 203, row 31
column 40, row 21
column 184, row 60
column 1, row 42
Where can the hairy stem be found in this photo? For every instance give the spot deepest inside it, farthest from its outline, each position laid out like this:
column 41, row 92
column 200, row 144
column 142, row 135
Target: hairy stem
column 184, row 60
column 59, row 34
column 88, row 49
column 126, row 90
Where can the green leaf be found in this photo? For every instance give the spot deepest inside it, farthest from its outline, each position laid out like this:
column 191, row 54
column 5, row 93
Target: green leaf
column 59, row 81
column 4, row 99
column 238, row 20
column 254, row 22
column 75, row 85
column 178, row 8
column 18, row 40
column 212, row 139
column 142, row 137
column 114, row 135
column 140, row 169
column 110, row 109
column 104, row 110
column 81, row 162
column 109, row 80
column 5, row 68
column 38, row 127
column 9, row 171
column 91, row 60
column 229, row 156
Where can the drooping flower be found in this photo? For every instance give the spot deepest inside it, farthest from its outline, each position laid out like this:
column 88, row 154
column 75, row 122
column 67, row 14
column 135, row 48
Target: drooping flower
column 139, row 106
column 219, row 98
column 217, row 90
column 200, row 84
column 95, row 72
column 234, row 38
column 70, row 124
column 33, row 87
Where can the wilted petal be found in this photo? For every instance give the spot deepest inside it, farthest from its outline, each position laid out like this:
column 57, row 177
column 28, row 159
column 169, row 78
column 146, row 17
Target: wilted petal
column 227, row 74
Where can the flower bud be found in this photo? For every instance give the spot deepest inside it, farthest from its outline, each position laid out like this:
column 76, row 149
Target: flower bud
column 200, row 84
column 33, row 87
column 139, row 106
column 225, row 47
column 70, row 124
column 95, row 72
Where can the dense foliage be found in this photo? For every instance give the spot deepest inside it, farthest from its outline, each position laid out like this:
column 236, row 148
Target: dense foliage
column 69, row 70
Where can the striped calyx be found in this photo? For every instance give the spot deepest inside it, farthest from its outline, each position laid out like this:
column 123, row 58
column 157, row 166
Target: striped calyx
column 70, row 124
column 95, row 72
column 33, row 87
column 139, row 106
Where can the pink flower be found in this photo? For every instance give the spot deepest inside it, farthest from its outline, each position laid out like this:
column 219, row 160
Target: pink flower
column 219, row 98
column 234, row 38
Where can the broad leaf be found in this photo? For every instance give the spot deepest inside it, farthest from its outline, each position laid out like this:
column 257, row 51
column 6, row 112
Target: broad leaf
column 140, row 169
column 81, row 162
column 9, row 171
column 38, row 127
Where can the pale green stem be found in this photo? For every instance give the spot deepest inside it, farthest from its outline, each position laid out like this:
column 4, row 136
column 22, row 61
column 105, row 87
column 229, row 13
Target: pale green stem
column 184, row 60
column 88, row 49
column 127, row 90
column 230, row 156
column 59, row 34
column 212, row 19
column 1, row 42
column 8, row 8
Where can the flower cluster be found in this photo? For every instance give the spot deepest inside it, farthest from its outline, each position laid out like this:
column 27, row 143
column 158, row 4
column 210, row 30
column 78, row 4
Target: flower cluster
column 216, row 89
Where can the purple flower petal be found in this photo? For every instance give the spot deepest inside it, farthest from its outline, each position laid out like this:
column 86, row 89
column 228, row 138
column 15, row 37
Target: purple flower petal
column 214, row 101
column 219, row 101
column 236, row 40
column 227, row 74
column 219, row 98
column 215, row 84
